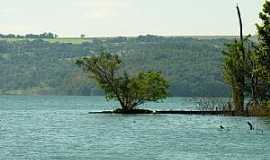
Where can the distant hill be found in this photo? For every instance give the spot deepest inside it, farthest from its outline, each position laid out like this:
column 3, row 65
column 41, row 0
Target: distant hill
column 193, row 65
column 77, row 40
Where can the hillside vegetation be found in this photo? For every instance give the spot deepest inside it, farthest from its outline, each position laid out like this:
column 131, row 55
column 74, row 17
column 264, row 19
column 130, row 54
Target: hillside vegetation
column 193, row 66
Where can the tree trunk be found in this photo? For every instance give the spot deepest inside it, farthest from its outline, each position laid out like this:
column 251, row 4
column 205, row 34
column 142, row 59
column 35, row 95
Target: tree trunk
column 238, row 98
column 238, row 90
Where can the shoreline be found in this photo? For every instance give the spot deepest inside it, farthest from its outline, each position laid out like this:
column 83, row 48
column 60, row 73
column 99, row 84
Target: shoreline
column 232, row 113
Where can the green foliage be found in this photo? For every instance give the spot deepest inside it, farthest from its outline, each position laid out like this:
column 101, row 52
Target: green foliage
column 149, row 86
column 235, row 67
column 247, row 64
column 129, row 91
column 192, row 65
column 234, row 72
column 263, row 50
column 103, row 69
column 233, row 63
column 264, row 28
column 264, row 42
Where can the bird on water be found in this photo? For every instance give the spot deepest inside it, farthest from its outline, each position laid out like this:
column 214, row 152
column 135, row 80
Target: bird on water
column 250, row 126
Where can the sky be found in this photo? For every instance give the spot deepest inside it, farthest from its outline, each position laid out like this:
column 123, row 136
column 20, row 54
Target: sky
column 106, row 18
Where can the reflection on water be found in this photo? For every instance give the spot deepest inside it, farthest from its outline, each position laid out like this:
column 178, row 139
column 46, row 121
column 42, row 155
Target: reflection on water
column 60, row 128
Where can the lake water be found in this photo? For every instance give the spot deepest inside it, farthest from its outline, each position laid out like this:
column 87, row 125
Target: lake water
column 45, row 127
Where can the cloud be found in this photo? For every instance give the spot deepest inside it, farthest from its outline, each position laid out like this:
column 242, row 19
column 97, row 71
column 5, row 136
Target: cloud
column 7, row 11
column 102, row 3
column 101, row 9
column 99, row 14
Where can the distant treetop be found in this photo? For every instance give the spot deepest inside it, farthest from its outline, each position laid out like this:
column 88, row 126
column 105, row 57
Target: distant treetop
column 48, row 35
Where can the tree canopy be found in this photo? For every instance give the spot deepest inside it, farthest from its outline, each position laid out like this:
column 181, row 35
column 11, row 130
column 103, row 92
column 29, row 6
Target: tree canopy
column 130, row 91
column 263, row 51
column 246, row 65
column 38, row 67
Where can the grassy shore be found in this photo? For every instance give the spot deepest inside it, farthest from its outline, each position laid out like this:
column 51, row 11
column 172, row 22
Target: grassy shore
column 260, row 111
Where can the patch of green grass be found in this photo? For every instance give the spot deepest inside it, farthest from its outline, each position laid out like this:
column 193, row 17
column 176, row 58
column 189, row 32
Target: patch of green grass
column 68, row 40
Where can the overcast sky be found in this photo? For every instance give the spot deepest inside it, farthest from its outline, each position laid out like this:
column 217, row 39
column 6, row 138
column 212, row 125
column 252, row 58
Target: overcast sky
column 98, row 18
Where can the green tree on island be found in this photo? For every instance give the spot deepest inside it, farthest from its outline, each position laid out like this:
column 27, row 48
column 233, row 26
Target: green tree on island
column 263, row 52
column 233, row 71
column 130, row 91
column 234, row 68
column 250, row 61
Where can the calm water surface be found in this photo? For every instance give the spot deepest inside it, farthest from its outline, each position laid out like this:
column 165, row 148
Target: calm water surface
column 60, row 128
